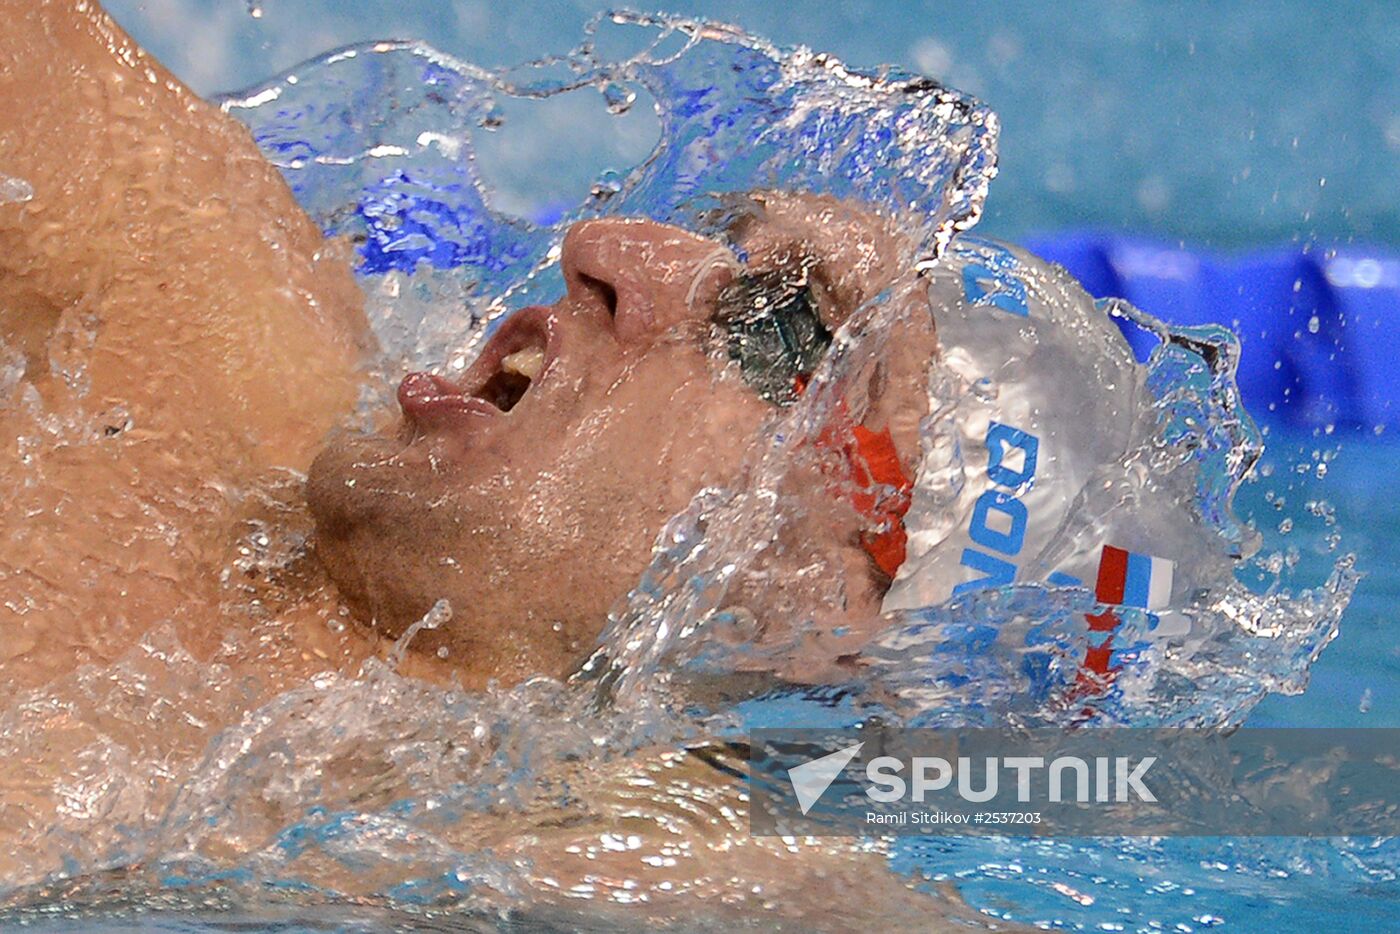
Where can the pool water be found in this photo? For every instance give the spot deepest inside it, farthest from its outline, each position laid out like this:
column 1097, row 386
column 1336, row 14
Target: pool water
column 1356, row 682
column 1271, row 884
column 1175, row 190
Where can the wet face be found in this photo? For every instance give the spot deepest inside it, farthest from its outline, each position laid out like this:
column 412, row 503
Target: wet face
column 529, row 491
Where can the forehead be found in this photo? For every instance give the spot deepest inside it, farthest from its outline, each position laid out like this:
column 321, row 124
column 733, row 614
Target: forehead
column 769, row 218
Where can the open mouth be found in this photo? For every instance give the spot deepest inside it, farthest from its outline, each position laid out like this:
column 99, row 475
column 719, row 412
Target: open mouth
column 508, row 385
column 509, row 365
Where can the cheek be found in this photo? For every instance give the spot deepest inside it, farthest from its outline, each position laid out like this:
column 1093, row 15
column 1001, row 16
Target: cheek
column 673, row 427
column 602, row 485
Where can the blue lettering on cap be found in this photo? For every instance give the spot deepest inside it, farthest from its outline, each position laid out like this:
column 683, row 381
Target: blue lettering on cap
column 995, row 571
column 992, row 282
column 1008, row 542
column 1001, row 437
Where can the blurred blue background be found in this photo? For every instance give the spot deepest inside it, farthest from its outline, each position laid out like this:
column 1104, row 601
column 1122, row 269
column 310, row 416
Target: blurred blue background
column 1235, row 162
column 1218, row 124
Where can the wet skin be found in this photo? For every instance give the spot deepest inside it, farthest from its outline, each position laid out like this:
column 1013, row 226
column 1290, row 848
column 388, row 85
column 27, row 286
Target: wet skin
column 163, row 282
column 186, row 334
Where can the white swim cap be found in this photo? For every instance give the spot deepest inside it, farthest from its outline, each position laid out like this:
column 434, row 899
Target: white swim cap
column 1047, row 456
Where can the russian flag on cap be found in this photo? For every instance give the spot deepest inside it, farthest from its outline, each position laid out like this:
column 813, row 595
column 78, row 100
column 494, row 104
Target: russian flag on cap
column 1127, row 578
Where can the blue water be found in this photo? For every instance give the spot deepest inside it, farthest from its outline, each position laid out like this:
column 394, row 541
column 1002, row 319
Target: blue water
column 1240, row 884
column 1356, row 682
column 1213, row 125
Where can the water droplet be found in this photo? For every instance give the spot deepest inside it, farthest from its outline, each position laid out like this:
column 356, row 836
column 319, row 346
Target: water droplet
column 618, row 98
column 1314, row 324
column 492, row 118
column 607, row 185
column 15, row 190
column 440, row 613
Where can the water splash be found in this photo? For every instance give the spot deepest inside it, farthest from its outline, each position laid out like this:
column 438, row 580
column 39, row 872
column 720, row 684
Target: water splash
column 376, row 142
column 379, row 787
column 382, row 789
column 1017, row 653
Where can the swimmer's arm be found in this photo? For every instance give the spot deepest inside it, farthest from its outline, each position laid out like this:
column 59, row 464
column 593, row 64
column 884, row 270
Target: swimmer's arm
column 664, row 838
column 219, row 319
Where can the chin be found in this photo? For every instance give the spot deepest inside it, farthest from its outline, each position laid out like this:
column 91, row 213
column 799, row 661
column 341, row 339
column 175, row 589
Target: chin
column 528, row 588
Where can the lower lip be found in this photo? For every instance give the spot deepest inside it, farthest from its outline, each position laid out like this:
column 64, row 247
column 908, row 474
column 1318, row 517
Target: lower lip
column 430, row 400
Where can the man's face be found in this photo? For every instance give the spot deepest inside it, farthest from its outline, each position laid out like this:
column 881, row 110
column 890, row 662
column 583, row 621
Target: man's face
column 529, row 491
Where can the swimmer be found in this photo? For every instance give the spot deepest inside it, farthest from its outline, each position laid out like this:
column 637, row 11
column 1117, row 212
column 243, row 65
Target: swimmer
column 188, row 340
column 226, row 340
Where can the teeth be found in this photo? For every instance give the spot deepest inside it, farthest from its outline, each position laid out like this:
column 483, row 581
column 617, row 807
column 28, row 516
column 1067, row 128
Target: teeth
column 527, row 363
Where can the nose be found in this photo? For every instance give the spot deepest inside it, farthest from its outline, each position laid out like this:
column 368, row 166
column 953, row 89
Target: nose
column 647, row 277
